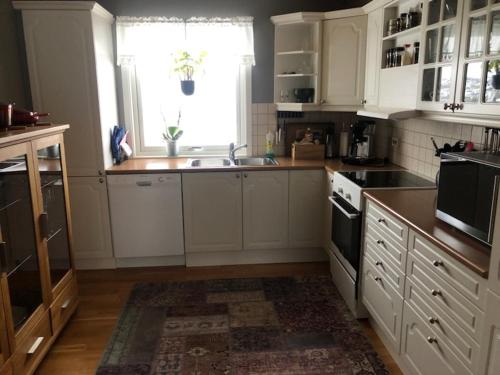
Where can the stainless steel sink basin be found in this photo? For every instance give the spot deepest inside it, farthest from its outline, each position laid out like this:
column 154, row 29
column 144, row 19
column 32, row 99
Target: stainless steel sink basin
column 209, row 163
column 255, row 161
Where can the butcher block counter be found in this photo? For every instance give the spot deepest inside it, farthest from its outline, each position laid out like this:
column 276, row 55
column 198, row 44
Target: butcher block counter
column 166, row 165
column 417, row 208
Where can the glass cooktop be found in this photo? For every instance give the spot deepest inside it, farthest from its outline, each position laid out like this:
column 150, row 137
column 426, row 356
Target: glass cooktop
column 387, row 179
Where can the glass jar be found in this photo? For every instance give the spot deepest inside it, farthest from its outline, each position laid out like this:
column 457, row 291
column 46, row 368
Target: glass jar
column 392, row 27
column 403, row 21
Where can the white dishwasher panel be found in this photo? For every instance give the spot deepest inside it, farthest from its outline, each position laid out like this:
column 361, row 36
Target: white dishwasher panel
column 146, row 215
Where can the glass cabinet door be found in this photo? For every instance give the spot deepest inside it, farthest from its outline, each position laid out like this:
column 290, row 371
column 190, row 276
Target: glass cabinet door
column 479, row 69
column 54, row 215
column 441, row 35
column 20, row 273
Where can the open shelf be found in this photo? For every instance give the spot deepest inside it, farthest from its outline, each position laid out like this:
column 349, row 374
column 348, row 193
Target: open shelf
column 299, row 52
column 409, row 66
column 403, row 33
column 295, row 75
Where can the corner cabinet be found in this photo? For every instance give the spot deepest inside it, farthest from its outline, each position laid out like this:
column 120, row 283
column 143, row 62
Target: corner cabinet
column 37, row 281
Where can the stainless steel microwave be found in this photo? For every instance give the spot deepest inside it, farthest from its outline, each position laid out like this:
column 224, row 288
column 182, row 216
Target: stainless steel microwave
column 467, row 192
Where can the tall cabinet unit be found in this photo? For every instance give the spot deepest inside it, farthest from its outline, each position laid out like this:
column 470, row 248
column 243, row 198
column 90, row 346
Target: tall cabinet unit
column 38, row 290
column 77, row 86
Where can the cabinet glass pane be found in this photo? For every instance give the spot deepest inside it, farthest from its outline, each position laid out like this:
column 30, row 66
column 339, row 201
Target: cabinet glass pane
column 431, row 42
column 434, row 11
column 18, row 251
column 477, row 27
column 443, row 85
column 428, row 85
column 472, row 88
column 447, row 43
column 51, row 177
column 450, row 9
column 494, row 43
column 478, row 4
column 492, row 92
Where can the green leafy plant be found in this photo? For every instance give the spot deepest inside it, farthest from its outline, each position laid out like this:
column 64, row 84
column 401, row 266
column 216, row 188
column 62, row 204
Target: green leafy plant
column 187, row 65
column 173, row 133
column 494, row 65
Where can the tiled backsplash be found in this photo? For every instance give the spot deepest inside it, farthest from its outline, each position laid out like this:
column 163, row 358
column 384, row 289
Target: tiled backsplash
column 415, row 150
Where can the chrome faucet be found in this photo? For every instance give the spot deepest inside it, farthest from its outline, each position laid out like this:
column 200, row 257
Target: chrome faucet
column 233, row 149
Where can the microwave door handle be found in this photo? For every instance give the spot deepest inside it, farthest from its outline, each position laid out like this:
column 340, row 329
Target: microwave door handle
column 342, row 209
column 493, row 209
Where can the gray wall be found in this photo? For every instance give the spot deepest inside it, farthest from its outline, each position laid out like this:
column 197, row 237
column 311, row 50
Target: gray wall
column 13, row 76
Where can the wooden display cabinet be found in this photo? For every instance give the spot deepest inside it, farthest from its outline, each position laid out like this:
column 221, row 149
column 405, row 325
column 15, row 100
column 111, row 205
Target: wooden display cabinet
column 38, row 290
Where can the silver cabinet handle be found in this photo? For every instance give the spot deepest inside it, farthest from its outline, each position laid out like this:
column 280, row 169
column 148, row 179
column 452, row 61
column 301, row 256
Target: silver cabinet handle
column 66, row 304
column 35, row 345
column 433, row 320
column 144, row 183
column 436, row 292
column 342, row 209
column 379, row 263
column 380, row 242
column 432, row 340
column 245, row 175
column 378, row 278
column 381, row 220
column 437, row 263
column 101, row 180
column 238, row 175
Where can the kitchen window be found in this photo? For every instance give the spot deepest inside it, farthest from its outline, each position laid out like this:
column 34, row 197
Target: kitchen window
column 219, row 111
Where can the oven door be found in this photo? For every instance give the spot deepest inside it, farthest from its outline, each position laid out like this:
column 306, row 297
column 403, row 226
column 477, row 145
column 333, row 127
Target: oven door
column 346, row 231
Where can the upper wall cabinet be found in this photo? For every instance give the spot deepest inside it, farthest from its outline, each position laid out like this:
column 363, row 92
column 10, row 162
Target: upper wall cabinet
column 375, row 26
column 344, row 51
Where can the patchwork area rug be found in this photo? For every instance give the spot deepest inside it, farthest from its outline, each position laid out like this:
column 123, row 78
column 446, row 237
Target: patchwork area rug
column 290, row 326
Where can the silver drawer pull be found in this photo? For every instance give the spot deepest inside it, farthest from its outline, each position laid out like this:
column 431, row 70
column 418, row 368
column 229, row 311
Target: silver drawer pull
column 381, row 220
column 436, row 292
column 378, row 278
column 144, row 183
column 378, row 263
column 380, row 242
column 35, row 345
column 437, row 263
column 432, row 340
column 66, row 304
column 433, row 320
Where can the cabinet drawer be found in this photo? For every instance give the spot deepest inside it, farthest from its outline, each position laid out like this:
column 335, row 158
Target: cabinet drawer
column 423, row 352
column 32, row 347
column 457, row 275
column 447, row 298
column 394, row 252
column 63, row 306
column 442, row 325
column 387, row 270
column 383, row 302
column 387, row 223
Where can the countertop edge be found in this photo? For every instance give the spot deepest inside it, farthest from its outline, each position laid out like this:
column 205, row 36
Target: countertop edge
column 473, row 267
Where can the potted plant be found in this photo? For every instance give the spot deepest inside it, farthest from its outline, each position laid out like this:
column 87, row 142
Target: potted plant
column 495, row 78
column 171, row 136
column 186, row 65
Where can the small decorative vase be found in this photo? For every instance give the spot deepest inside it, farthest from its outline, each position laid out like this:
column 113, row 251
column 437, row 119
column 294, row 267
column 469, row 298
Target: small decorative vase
column 187, row 87
column 172, row 149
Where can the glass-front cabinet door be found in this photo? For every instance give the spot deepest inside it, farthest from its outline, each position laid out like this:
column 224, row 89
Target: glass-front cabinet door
column 442, row 20
column 478, row 88
column 53, row 207
column 20, row 280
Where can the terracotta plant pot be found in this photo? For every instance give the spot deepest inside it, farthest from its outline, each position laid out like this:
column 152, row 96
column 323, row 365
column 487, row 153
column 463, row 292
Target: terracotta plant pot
column 187, row 87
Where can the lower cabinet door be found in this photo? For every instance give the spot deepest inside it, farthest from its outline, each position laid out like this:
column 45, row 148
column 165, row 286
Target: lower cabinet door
column 90, row 218
column 422, row 352
column 212, row 211
column 265, row 210
column 383, row 302
column 490, row 341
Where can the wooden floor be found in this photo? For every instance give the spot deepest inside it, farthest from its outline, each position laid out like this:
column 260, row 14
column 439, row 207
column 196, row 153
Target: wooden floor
column 103, row 293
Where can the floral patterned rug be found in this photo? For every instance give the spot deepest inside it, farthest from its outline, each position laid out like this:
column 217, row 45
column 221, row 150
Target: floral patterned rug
column 239, row 326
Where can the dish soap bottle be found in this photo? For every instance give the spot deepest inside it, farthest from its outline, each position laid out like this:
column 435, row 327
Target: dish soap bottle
column 269, row 144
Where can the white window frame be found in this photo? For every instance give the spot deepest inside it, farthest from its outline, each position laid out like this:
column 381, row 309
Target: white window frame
column 132, row 117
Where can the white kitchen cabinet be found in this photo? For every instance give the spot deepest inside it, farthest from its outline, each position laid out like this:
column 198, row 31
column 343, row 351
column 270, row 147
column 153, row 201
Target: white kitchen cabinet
column 490, row 343
column 91, row 224
column 70, row 60
column 307, row 205
column 212, row 211
column 265, row 210
column 375, row 24
column 343, row 67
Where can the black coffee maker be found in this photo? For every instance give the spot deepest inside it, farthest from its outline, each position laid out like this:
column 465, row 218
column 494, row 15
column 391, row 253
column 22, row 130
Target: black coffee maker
column 361, row 150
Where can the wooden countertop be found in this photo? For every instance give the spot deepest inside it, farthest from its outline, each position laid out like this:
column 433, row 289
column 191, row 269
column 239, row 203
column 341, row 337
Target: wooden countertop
column 18, row 134
column 166, row 165
column 417, row 209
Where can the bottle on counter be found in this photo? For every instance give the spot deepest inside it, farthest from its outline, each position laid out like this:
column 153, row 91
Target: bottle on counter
column 344, row 141
column 269, row 144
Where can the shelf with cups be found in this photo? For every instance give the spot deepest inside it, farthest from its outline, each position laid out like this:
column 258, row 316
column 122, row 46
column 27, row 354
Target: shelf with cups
column 413, row 30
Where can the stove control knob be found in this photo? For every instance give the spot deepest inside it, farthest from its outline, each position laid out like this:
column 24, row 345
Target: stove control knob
column 340, row 190
column 348, row 196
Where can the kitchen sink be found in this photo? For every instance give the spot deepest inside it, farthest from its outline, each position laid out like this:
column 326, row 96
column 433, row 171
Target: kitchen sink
column 255, row 161
column 209, row 163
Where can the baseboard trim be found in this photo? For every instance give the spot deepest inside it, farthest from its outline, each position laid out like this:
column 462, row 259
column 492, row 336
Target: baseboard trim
column 225, row 258
column 95, row 264
column 177, row 260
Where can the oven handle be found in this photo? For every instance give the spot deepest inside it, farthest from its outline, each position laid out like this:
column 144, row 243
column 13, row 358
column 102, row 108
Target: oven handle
column 342, row 209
